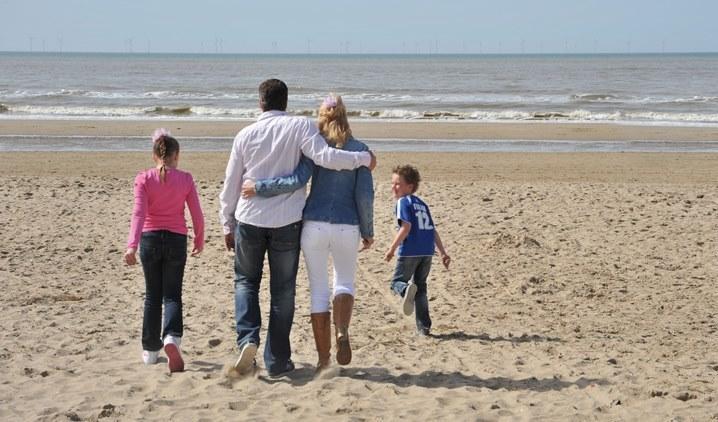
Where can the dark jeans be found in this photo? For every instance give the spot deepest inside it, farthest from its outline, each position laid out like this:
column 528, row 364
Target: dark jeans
column 163, row 255
column 416, row 268
column 282, row 246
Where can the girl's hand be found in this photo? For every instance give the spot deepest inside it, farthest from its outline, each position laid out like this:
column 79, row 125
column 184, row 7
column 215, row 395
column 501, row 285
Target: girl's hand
column 389, row 255
column 366, row 243
column 130, row 256
column 196, row 251
column 248, row 189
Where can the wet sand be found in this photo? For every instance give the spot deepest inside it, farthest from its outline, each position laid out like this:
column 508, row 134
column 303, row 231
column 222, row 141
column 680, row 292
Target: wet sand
column 541, row 130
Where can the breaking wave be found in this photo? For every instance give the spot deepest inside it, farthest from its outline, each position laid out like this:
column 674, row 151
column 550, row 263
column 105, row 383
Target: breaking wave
column 169, row 111
column 212, row 113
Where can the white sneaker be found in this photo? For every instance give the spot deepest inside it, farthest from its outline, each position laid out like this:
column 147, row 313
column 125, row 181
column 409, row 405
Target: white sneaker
column 408, row 301
column 174, row 357
column 172, row 339
column 149, row 357
column 246, row 357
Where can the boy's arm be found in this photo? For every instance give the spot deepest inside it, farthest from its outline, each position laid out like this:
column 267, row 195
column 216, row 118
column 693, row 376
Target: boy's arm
column 398, row 238
column 279, row 185
column 445, row 258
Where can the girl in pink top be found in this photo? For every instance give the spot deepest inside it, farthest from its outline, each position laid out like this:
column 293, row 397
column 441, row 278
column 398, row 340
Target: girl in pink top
column 158, row 227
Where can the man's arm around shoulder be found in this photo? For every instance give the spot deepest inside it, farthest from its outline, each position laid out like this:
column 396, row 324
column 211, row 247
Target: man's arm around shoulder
column 316, row 148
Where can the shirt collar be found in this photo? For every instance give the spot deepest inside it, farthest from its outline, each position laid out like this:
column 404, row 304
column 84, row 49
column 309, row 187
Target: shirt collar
column 271, row 113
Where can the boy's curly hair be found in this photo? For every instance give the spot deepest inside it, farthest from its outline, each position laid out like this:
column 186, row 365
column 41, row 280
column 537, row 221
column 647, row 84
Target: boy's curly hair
column 410, row 175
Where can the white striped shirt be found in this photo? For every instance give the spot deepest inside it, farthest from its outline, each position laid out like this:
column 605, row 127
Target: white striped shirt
column 272, row 147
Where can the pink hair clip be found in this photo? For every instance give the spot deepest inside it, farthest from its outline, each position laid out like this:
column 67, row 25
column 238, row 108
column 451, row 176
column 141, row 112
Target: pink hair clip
column 158, row 133
column 330, row 102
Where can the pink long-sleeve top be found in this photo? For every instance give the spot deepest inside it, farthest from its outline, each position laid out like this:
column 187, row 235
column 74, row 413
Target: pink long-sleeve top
column 160, row 206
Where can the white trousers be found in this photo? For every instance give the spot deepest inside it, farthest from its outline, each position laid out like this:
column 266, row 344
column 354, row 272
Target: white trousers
column 319, row 241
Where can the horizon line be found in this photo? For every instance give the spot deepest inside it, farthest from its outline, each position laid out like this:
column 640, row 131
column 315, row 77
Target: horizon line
column 198, row 53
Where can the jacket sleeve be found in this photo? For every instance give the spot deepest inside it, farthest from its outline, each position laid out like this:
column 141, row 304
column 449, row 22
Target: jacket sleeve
column 285, row 184
column 364, row 197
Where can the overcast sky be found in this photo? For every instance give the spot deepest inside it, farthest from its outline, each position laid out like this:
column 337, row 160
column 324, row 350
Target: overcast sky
column 365, row 26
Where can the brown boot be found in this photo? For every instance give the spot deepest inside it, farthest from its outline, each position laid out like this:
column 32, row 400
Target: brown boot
column 342, row 315
column 321, row 326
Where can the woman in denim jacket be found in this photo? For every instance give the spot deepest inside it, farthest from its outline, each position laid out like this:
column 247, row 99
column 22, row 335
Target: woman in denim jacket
column 338, row 214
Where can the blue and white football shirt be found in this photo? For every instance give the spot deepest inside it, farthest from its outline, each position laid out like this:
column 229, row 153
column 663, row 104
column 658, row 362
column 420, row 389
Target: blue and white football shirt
column 420, row 241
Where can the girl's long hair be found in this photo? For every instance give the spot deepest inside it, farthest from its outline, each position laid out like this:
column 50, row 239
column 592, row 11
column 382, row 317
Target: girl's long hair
column 332, row 122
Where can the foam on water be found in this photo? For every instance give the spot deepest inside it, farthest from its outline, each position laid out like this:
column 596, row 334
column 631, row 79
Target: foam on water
column 139, row 143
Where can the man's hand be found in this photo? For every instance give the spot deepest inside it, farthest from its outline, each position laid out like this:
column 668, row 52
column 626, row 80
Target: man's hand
column 389, row 255
column 229, row 241
column 372, row 164
column 248, row 189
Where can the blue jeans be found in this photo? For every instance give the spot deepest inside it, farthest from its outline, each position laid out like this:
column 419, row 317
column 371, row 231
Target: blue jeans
column 416, row 268
column 282, row 246
column 163, row 255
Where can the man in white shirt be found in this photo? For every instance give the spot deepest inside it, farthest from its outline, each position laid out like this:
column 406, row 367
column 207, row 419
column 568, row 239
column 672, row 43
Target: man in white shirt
column 271, row 147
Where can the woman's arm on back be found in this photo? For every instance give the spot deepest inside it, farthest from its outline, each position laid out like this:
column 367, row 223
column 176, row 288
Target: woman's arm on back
column 284, row 184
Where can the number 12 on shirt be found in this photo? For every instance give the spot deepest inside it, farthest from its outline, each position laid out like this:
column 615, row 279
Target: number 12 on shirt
column 423, row 220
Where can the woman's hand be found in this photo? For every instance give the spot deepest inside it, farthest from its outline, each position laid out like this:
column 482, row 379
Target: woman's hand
column 248, row 189
column 130, row 256
column 366, row 243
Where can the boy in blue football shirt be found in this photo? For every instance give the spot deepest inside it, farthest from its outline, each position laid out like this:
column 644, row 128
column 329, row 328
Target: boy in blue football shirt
column 415, row 242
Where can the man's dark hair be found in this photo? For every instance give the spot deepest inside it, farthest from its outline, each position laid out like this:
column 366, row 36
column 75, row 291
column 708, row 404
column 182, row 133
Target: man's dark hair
column 273, row 95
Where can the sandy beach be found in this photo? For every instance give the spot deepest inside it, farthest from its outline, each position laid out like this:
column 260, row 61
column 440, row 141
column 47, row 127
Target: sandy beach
column 582, row 288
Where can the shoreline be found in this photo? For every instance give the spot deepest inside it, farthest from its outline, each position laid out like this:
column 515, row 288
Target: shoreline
column 444, row 130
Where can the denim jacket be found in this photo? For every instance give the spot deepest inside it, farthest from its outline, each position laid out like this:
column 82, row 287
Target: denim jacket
column 336, row 196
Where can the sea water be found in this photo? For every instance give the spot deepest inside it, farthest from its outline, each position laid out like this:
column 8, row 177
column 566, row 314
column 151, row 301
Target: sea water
column 645, row 89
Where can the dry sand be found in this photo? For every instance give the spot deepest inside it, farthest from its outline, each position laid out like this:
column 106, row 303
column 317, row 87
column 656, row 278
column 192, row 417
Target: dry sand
column 582, row 288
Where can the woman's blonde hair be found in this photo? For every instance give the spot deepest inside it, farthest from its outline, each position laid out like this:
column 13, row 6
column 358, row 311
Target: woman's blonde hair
column 333, row 123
